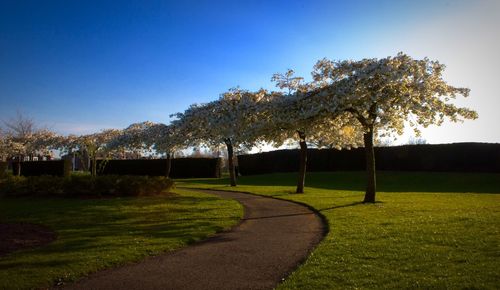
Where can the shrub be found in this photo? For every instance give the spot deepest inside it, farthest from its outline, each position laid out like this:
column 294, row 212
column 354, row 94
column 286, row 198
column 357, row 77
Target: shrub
column 84, row 185
column 14, row 185
column 44, row 185
column 78, row 185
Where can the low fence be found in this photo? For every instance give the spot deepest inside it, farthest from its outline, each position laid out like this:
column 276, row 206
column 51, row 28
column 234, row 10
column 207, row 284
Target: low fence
column 457, row 157
column 180, row 167
column 48, row 167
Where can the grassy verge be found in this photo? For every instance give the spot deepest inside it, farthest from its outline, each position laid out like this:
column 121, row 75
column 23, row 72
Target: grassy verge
column 429, row 230
column 99, row 233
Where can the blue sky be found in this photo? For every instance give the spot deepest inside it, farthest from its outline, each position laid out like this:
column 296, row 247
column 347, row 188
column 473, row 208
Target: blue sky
column 81, row 66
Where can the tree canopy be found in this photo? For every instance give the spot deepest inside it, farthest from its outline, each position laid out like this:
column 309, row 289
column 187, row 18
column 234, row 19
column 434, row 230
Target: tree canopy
column 385, row 94
column 347, row 103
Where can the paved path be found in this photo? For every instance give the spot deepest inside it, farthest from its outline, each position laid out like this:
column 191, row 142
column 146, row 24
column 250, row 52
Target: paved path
column 273, row 238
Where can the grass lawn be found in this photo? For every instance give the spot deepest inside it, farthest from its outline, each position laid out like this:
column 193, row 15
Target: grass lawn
column 428, row 230
column 99, row 233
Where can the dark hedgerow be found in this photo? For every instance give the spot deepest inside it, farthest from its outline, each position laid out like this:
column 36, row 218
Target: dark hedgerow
column 180, row 167
column 3, row 168
column 84, row 185
column 47, row 167
column 457, row 157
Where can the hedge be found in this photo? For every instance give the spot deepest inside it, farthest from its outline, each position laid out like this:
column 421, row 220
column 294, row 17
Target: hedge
column 180, row 167
column 3, row 168
column 84, row 185
column 196, row 168
column 148, row 167
column 49, row 167
column 457, row 157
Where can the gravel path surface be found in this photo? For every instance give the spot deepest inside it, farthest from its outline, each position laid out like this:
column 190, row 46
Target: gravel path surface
column 274, row 237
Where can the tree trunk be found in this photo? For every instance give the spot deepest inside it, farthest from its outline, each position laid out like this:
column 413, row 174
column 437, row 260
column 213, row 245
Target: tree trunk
column 232, row 175
column 371, row 183
column 85, row 161
column 303, row 162
column 18, row 169
column 169, row 165
column 94, row 165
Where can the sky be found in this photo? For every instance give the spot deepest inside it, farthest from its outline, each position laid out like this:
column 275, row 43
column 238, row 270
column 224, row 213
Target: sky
column 82, row 66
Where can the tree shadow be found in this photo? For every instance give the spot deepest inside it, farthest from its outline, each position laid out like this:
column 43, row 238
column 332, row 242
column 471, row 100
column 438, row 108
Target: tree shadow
column 340, row 206
column 387, row 181
column 89, row 229
column 278, row 216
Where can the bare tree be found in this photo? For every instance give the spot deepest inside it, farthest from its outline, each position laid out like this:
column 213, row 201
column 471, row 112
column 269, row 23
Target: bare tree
column 22, row 137
column 20, row 126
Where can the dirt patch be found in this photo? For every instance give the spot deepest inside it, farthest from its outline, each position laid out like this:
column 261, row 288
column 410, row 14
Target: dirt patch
column 18, row 236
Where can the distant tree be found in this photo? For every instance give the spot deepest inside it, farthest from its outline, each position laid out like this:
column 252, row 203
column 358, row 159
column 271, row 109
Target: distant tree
column 417, row 141
column 133, row 140
column 148, row 137
column 384, row 93
column 19, row 131
column 383, row 142
column 22, row 138
column 92, row 145
column 39, row 143
column 20, row 126
column 4, row 146
column 196, row 152
column 165, row 140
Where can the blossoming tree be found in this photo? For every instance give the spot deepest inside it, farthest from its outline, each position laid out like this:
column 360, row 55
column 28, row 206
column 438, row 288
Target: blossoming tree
column 94, row 145
column 384, row 94
column 166, row 140
column 226, row 120
column 303, row 114
column 154, row 138
column 133, row 140
column 3, row 145
column 36, row 143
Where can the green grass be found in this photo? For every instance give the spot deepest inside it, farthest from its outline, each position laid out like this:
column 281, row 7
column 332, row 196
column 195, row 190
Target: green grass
column 100, row 233
column 428, row 230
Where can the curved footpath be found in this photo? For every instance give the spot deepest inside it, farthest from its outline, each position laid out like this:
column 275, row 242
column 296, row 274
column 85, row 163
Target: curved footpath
column 274, row 237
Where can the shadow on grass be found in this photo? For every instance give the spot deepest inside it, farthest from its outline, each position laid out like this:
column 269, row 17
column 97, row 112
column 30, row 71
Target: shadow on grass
column 279, row 216
column 341, row 206
column 387, row 181
column 306, row 213
column 89, row 228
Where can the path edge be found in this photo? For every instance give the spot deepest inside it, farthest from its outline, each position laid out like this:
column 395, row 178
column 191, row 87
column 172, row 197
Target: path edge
column 208, row 238
column 322, row 217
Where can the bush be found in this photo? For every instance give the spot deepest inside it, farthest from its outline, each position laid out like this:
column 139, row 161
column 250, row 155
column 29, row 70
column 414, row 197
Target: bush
column 78, row 185
column 84, row 185
column 44, row 185
column 13, row 185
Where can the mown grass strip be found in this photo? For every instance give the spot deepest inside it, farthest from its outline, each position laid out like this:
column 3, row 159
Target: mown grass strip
column 94, row 234
column 428, row 230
